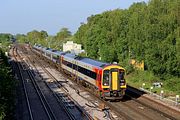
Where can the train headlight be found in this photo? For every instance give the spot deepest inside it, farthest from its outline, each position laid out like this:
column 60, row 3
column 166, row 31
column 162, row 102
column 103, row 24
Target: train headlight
column 105, row 84
column 122, row 84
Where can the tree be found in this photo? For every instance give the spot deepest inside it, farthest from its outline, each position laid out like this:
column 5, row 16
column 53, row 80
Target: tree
column 63, row 34
column 37, row 37
column 21, row 38
column 148, row 32
column 44, row 34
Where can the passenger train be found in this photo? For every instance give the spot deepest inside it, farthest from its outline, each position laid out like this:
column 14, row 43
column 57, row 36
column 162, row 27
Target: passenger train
column 106, row 80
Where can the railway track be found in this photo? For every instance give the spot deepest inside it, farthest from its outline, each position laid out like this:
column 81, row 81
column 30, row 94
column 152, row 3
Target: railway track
column 18, row 66
column 71, row 107
column 68, row 100
column 164, row 111
column 29, row 87
column 37, row 103
column 131, row 108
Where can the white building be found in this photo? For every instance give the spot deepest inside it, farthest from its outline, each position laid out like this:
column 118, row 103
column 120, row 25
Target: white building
column 72, row 47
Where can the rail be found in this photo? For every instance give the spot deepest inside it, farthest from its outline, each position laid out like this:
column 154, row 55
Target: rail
column 63, row 98
column 42, row 98
column 24, row 87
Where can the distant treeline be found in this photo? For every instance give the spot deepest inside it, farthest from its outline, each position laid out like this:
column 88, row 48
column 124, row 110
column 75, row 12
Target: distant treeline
column 146, row 31
column 42, row 37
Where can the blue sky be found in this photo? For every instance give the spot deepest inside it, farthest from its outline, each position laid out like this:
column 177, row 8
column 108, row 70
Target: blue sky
column 22, row 16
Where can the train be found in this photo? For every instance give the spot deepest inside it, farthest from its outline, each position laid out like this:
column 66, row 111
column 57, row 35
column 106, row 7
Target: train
column 105, row 79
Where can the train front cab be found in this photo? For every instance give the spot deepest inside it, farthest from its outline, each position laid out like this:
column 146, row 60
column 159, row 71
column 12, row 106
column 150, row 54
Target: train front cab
column 113, row 82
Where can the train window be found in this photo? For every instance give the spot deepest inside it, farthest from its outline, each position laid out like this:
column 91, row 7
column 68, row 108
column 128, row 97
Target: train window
column 121, row 75
column 69, row 64
column 73, row 66
column 87, row 72
column 55, row 57
column 82, row 70
column 106, row 77
column 93, row 75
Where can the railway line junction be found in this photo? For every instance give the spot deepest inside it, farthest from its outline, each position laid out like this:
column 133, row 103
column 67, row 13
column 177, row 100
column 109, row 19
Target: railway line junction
column 45, row 93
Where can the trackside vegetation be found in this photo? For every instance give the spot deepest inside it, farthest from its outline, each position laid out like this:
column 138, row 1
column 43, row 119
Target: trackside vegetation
column 7, row 83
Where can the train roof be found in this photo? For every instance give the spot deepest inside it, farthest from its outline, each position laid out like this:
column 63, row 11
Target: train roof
column 57, row 52
column 85, row 60
column 37, row 46
column 49, row 49
column 70, row 55
column 52, row 51
column 44, row 49
column 93, row 62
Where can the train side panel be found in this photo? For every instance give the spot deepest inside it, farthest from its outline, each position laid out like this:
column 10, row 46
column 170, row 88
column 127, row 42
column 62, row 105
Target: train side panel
column 106, row 79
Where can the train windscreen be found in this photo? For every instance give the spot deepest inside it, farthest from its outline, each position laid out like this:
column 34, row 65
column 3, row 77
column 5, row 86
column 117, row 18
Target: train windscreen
column 106, row 77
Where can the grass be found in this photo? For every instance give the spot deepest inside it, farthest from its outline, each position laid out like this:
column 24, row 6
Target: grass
column 171, row 86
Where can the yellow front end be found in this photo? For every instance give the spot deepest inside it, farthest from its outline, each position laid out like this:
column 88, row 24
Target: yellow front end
column 113, row 82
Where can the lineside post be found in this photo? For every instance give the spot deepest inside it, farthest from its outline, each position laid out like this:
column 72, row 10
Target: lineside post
column 177, row 99
column 161, row 94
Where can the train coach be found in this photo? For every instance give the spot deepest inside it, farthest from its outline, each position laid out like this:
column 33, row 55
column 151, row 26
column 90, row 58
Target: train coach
column 107, row 80
column 50, row 54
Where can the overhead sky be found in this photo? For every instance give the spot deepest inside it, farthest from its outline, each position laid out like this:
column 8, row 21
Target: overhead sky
column 22, row 16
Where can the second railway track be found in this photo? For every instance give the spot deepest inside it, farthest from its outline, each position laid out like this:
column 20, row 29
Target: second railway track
column 32, row 93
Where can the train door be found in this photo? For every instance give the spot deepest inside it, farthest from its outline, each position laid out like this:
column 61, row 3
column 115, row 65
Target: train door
column 114, row 79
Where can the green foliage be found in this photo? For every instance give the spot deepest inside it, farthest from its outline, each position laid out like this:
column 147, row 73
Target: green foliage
column 137, row 78
column 42, row 38
column 61, row 37
column 7, row 88
column 21, row 38
column 148, row 32
column 173, row 84
column 129, row 69
column 63, row 34
column 36, row 37
column 5, row 41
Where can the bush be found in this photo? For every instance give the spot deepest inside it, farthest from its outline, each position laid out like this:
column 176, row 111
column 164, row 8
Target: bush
column 7, row 87
column 173, row 84
column 129, row 69
column 138, row 77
